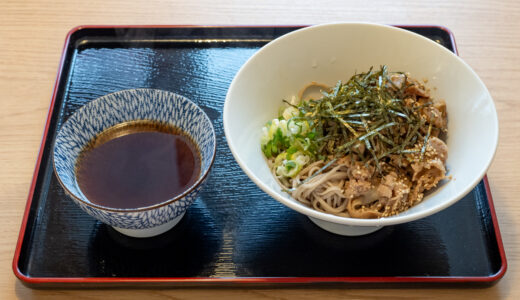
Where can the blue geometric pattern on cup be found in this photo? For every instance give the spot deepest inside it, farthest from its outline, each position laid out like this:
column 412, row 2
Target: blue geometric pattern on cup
column 123, row 106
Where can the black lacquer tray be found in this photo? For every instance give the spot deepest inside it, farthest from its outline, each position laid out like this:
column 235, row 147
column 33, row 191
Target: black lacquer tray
column 234, row 233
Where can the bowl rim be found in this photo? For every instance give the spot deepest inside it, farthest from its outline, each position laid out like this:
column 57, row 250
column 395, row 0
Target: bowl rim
column 195, row 185
column 288, row 201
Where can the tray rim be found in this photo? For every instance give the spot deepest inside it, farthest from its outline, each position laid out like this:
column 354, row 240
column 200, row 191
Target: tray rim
column 45, row 281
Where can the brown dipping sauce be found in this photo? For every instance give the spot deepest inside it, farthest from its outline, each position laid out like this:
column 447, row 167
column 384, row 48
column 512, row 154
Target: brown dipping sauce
column 137, row 164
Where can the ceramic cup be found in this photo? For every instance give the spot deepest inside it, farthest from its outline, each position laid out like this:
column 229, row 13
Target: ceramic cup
column 120, row 107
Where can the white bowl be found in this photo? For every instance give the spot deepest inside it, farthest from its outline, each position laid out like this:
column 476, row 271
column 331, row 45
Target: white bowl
column 330, row 52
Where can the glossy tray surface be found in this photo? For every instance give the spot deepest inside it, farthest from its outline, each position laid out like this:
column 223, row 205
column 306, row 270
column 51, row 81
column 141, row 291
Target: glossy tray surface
column 234, row 233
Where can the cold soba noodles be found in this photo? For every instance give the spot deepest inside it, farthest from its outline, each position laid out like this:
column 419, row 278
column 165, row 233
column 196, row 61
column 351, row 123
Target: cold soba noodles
column 368, row 148
column 137, row 164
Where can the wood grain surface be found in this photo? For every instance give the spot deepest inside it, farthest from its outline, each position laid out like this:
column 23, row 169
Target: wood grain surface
column 31, row 39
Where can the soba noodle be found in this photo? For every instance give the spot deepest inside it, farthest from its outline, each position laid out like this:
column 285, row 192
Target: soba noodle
column 343, row 162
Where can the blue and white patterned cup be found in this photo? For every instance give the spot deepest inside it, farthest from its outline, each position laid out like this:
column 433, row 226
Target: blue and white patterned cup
column 131, row 105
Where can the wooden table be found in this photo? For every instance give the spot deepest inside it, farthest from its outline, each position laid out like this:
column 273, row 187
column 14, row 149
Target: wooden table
column 31, row 38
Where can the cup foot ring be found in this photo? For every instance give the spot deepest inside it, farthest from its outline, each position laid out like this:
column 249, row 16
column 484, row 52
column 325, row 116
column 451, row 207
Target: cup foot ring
column 150, row 232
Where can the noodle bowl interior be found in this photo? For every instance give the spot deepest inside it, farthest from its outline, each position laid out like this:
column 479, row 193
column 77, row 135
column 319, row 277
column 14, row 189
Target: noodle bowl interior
column 367, row 148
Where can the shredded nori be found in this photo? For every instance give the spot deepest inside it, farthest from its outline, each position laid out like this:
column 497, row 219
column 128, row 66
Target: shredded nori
column 367, row 111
